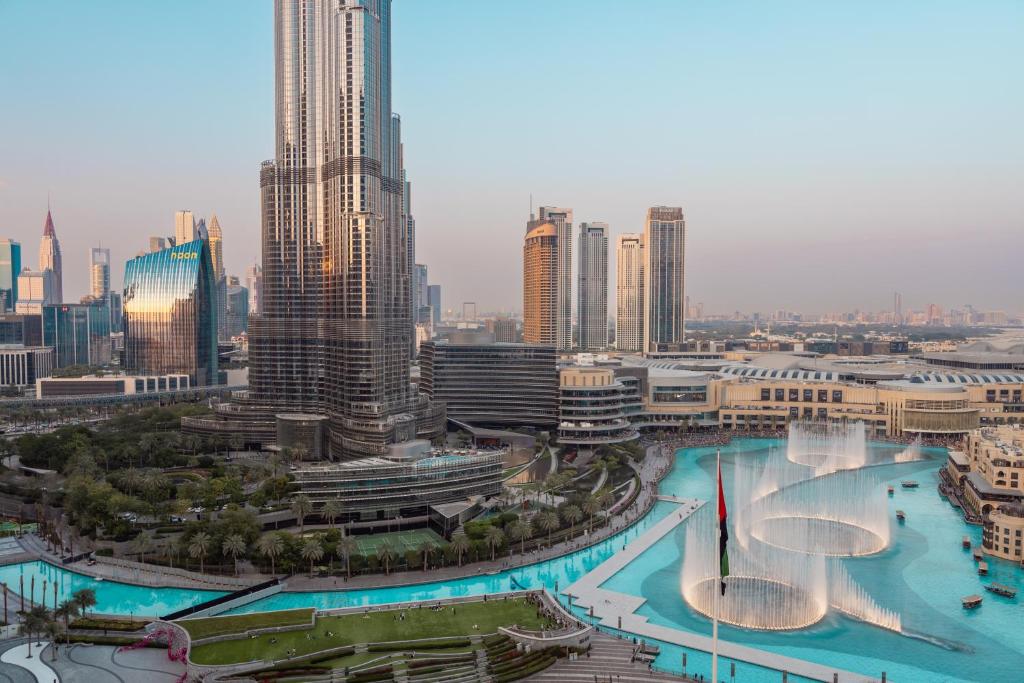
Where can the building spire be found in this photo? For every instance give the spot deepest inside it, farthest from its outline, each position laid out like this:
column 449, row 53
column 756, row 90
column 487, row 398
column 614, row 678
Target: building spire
column 48, row 230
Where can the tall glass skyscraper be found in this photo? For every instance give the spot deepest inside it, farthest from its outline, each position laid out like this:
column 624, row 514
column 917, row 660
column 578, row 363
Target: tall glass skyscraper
column 629, row 292
column 78, row 333
column 10, row 268
column 335, row 333
column 170, row 316
column 664, row 279
column 50, row 258
column 593, row 287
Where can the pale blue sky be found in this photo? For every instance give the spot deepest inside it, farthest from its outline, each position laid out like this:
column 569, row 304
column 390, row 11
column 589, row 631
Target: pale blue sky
column 825, row 153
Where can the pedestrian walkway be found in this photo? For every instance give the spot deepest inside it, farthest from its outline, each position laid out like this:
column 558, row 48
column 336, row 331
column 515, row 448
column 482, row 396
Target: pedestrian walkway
column 36, row 666
column 610, row 659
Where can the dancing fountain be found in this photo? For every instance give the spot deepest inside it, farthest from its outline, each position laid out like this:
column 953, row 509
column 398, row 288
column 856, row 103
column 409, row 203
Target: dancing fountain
column 827, row 447
column 790, row 512
column 911, row 452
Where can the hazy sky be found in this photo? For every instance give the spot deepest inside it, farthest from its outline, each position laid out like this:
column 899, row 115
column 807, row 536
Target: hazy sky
column 825, row 153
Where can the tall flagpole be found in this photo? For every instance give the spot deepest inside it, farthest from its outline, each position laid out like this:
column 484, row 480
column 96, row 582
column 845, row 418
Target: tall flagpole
column 718, row 571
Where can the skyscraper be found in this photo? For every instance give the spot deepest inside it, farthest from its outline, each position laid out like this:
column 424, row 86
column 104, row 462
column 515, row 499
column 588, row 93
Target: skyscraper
column 420, row 297
column 157, row 243
column 184, row 227
column 593, row 286
column 664, row 270
column 10, row 268
column 629, row 292
column 254, row 283
column 562, row 220
column 215, row 236
column 35, row 290
column 540, row 284
column 49, row 257
column 434, row 301
column 335, row 334
column 99, row 272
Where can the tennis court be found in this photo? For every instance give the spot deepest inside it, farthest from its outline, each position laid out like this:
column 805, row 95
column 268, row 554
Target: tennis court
column 400, row 541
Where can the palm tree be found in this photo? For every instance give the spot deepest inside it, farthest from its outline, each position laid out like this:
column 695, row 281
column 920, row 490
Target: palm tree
column 459, row 545
column 30, row 625
column 275, row 461
column 547, row 521
column 302, row 506
column 66, row 611
column 84, row 599
column 331, row 511
column 591, row 506
column 386, row 554
column 427, row 548
column 520, row 531
column 494, row 538
column 234, row 545
column 312, row 551
column 198, row 546
column 346, row 547
column 605, row 498
column 131, row 479
column 270, row 545
column 572, row 514
column 52, row 630
column 143, row 543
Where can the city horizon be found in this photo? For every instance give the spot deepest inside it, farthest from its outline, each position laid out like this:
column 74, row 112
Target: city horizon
column 904, row 200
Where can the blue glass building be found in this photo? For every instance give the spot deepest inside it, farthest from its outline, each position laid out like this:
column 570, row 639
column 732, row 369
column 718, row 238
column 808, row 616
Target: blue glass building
column 10, row 268
column 170, row 313
column 78, row 333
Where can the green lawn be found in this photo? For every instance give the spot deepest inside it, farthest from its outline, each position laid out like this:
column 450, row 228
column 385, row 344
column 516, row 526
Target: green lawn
column 375, row 627
column 215, row 626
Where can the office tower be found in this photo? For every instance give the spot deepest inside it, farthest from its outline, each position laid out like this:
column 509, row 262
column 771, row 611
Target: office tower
column 237, row 313
column 157, row 244
column 335, row 334
column 10, row 268
column 254, row 283
column 505, row 331
column 184, row 227
column 99, row 272
column 629, row 292
column 215, row 238
column 35, row 290
column 540, row 284
column 664, row 270
column 468, row 311
column 116, row 312
column 49, row 257
column 78, row 333
column 562, row 220
column 434, row 301
column 420, row 297
column 170, row 319
column 593, row 287
column 897, row 308
column 21, row 330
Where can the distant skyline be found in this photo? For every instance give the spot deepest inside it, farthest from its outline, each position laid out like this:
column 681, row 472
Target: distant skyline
column 824, row 154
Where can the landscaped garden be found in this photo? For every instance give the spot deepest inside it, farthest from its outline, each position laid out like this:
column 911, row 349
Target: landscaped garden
column 450, row 626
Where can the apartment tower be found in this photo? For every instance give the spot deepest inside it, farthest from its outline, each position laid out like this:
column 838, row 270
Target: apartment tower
column 540, row 284
column 664, row 269
column 629, row 292
column 593, row 286
column 562, row 220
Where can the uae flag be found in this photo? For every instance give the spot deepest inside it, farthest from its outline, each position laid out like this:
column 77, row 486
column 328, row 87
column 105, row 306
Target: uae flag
column 723, row 538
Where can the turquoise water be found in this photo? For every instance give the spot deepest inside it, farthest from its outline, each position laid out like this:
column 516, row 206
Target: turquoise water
column 111, row 597
column 922, row 575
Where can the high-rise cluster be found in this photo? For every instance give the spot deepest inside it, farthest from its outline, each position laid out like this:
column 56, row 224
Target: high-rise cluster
column 335, row 332
column 650, row 299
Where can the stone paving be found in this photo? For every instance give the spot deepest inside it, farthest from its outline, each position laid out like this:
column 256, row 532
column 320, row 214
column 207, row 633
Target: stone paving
column 104, row 664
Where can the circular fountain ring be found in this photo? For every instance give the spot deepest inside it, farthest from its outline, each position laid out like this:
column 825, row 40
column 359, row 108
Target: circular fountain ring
column 743, row 596
column 818, row 459
column 820, row 535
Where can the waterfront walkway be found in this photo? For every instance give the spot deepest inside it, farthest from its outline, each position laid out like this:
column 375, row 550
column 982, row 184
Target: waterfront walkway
column 609, row 659
column 614, row 610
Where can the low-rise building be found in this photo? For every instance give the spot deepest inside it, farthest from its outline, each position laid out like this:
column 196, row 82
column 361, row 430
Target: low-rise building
column 22, row 366
column 1004, row 533
column 109, row 385
column 591, row 408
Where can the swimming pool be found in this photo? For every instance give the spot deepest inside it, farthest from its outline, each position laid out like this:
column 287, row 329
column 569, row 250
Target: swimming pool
column 923, row 575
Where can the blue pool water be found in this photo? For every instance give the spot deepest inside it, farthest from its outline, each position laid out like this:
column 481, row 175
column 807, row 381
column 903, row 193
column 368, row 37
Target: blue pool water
column 922, row 575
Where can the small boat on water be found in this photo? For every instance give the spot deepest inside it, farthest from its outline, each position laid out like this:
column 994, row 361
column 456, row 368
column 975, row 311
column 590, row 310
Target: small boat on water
column 966, row 543
column 901, row 515
column 978, row 555
column 891, row 490
column 971, row 601
column 909, row 484
column 1000, row 589
column 983, row 568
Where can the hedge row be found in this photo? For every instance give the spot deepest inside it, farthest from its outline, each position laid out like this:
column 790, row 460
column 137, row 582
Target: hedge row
column 419, row 645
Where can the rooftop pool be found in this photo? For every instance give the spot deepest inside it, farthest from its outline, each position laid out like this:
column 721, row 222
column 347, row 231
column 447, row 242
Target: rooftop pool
column 922, row 575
